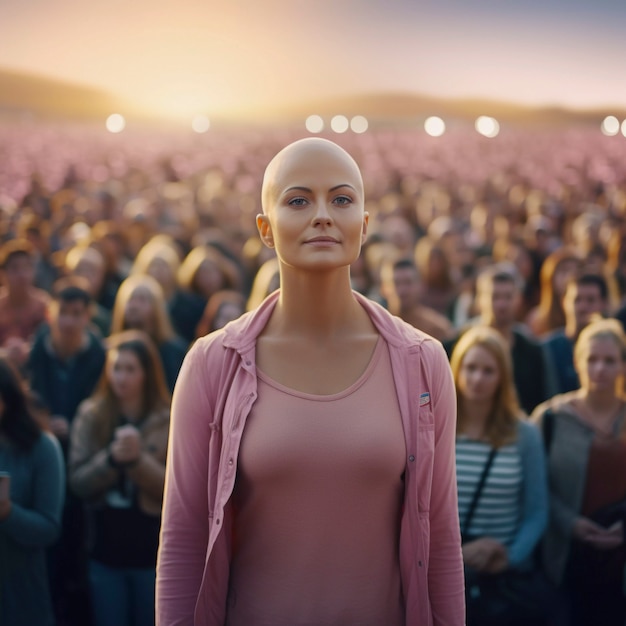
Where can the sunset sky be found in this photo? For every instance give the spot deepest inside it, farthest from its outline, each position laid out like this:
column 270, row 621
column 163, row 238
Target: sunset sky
column 204, row 56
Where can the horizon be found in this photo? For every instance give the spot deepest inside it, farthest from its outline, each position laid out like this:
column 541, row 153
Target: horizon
column 199, row 57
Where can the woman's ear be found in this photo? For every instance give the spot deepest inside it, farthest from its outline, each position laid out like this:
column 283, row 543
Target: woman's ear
column 366, row 219
column 265, row 230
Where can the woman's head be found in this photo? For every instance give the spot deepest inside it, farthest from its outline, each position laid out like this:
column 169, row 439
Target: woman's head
column 133, row 371
column 140, row 304
column 600, row 356
column 159, row 259
column 205, row 270
column 313, row 206
column 87, row 262
column 223, row 307
column 483, row 375
column 16, row 419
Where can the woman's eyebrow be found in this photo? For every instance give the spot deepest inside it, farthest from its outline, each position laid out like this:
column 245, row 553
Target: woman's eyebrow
column 300, row 188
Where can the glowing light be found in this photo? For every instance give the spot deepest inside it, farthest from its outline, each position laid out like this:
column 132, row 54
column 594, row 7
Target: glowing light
column 314, row 124
column 434, row 126
column 487, row 126
column 200, row 124
column 115, row 123
column 359, row 124
column 624, row 128
column 340, row 123
column 610, row 126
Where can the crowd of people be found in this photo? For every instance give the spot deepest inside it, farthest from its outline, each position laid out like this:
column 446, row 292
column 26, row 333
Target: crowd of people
column 118, row 253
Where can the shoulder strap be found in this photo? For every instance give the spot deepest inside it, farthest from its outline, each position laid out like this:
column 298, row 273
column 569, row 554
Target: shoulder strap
column 479, row 488
column 547, row 429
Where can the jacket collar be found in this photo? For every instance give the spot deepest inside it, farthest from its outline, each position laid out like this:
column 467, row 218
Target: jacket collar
column 242, row 333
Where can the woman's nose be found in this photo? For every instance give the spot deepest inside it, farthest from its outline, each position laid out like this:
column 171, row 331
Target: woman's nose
column 322, row 215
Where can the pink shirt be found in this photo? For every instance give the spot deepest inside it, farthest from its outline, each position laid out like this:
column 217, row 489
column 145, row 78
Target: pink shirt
column 317, row 500
column 215, row 392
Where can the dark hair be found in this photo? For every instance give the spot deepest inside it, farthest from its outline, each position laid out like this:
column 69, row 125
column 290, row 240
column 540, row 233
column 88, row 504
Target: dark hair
column 403, row 264
column 499, row 273
column 214, row 306
column 17, row 421
column 72, row 289
column 15, row 248
column 155, row 393
column 594, row 280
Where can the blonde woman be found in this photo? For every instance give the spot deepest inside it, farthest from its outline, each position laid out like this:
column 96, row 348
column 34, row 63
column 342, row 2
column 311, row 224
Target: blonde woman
column 203, row 272
column 160, row 259
column 117, row 464
column 584, row 431
column 140, row 304
column 502, row 488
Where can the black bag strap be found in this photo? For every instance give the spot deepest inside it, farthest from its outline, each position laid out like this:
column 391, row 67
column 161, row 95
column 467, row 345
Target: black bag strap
column 547, row 427
column 479, row 488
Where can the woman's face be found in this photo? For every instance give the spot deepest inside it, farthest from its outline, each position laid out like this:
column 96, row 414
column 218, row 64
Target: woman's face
column 479, row 375
column 314, row 216
column 160, row 270
column 564, row 271
column 227, row 312
column 93, row 272
column 125, row 374
column 208, row 278
column 600, row 365
column 139, row 311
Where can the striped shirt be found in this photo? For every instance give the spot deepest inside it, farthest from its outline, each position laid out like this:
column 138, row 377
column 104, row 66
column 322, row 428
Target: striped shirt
column 499, row 508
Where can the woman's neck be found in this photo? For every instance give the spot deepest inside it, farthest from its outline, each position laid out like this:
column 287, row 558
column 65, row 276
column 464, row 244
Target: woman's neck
column 132, row 410
column 475, row 417
column 600, row 409
column 319, row 306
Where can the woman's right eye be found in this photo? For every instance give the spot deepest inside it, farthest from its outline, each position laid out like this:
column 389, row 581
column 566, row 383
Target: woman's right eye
column 299, row 201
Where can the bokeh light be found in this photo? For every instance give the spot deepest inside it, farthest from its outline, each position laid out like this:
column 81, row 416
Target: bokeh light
column 487, row 126
column 340, row 124
column 115, row 123
column 359, row 124
column 434, row 126
column 314, row 124
column 624, row 128
column 200, row 124
column 610, row 126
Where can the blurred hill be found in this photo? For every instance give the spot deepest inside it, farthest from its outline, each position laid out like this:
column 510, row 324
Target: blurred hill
column 50, row 98
column 46, row 98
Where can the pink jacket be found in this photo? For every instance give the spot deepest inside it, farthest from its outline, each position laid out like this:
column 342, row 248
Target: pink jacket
column 214, row 393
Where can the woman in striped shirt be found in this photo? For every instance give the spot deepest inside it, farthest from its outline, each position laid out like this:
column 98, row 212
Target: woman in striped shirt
column 510, row 514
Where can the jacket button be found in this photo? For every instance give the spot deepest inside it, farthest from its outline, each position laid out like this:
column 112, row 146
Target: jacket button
column 230, row 461
column 412, row 458
column 248, row 362
column 217, row 521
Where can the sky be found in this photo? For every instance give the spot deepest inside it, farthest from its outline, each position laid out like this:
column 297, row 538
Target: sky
column 206, row 56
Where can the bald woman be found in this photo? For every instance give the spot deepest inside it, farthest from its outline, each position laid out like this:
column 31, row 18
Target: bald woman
column 311, row 474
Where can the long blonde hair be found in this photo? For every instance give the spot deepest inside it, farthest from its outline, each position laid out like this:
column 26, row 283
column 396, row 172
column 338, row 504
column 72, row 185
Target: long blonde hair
column 600, row 328
column 502, row 421
column 163, row 330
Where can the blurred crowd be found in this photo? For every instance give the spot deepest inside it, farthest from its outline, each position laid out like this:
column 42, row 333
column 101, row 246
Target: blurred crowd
column 118, row 251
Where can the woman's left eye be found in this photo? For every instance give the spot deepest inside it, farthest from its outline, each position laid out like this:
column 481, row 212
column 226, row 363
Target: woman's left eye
column 343, row 200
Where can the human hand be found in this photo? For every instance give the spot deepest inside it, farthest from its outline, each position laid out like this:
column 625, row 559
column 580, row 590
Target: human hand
column 584, row 529
column 17, row 351
column 608, row 538
column 126, row 445
column 59, row 426
column 485, row 553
